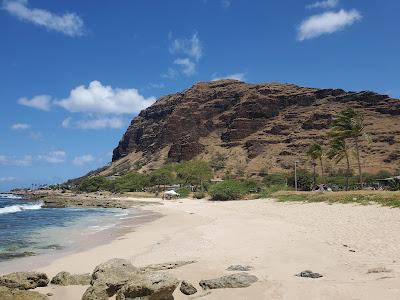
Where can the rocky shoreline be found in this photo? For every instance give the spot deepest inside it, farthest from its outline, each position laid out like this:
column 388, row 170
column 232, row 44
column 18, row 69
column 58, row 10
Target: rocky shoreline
column 57, row 199
column 118, row 277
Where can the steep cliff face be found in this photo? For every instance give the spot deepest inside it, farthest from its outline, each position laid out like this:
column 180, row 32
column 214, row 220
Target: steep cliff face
column 251, row 127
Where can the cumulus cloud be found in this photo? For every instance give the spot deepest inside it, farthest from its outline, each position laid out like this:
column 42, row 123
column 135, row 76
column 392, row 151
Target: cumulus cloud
column 25, row 160
column 41, row 102
column 323, row 4
column 68, row 23
column 104, row 99
column 235, row 76
column 326, row 23
column 7, row 179
column 188, row 67
column 191, row 47
column 97, row 123
column 84, row 159
column 53, row 157
column 20, row 126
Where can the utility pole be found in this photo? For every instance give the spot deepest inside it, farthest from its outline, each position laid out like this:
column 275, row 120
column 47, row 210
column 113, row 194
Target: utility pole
column 295, row 174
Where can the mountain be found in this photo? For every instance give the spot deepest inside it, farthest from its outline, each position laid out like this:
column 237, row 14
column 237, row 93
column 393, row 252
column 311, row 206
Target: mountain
column 246, row 127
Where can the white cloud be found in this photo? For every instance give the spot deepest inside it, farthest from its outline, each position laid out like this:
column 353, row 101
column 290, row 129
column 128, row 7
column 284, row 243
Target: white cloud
column 235, row 76
column 191, row 47
column 170, row 74
column 84, row 159
column 20, row 126
column 188, row 67
column 53, row 157
column 37, row 136
column 323, row 4
column 41, row 102
column 103, row 99
column 68, row 23
column 25, row 160
column 98, row 123
column 7, row 179
column 326, row 23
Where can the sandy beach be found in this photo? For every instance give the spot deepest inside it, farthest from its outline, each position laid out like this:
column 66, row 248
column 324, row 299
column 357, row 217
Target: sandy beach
column 342, row 242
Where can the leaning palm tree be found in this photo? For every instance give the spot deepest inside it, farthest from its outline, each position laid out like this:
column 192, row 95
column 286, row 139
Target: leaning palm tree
column 338, row 152
column 349, row 124
column 314, row 152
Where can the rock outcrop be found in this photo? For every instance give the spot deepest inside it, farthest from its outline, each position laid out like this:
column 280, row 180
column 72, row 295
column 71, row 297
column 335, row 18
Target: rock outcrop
column 187, row 288
column 238, row 280
column 65, row 278
column 24, row 280
column 15, row 294
column 252, row 126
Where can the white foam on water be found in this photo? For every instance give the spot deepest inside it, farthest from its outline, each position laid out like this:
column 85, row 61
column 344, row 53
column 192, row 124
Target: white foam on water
column 10, row 196
column 18, row 208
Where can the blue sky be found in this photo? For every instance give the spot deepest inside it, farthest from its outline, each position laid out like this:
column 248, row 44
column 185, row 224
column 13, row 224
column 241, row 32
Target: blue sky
column 73, row 74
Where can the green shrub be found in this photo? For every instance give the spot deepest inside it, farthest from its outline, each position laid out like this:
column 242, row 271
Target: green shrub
column 184, row 192
column 93, row 184
column 304, row 180
column 199, row 195
column 269, row 190
column 228, row 190
column 131, row 182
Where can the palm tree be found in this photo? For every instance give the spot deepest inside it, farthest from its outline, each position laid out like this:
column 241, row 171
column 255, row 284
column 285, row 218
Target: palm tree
column 338, row 152
column 315, row 152
column 349, row 124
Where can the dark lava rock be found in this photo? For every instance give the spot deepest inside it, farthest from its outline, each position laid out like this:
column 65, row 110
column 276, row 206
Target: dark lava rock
column 239, row 268
column 309, row 274
column 187, row 288
column 238, row 280
column 24, row 280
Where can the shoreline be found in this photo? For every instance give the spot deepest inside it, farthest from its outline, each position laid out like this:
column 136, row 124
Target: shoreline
column 279, row 240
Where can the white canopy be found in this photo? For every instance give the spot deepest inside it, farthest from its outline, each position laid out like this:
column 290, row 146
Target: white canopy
column 171, row 192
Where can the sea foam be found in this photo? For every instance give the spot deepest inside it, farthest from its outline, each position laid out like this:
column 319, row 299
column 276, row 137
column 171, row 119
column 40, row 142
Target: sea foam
column 17, row 208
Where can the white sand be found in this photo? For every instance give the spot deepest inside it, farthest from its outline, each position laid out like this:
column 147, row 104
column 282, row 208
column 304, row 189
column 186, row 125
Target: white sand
column 277, row 239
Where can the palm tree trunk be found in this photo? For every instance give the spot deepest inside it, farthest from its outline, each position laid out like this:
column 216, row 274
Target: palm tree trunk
column 348, row 170
column 358, row 162
column 322, row 170
column 314, row 177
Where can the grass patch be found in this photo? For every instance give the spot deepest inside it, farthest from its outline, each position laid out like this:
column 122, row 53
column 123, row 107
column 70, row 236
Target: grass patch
column 385, row 198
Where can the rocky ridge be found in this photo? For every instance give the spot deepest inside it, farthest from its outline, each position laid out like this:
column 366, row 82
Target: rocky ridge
column 237, row 125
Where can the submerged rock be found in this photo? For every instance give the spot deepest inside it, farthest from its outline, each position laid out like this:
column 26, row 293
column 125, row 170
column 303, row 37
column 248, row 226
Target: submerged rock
column 187, row 288
column 24, row 280
column 149, row 286
column 239, row 268
column 11, row 255
column 238, row 280
column 13, row 294
column 309, row 274
column 65, row 278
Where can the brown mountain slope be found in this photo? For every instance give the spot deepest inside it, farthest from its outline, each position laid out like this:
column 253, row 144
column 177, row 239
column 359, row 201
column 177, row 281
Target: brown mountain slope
column 250, row 127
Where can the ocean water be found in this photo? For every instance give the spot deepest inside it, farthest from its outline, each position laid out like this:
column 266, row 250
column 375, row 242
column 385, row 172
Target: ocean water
column 28, row 229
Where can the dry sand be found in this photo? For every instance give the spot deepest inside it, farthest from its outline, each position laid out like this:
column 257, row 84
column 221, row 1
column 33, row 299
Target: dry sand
column 342, row 242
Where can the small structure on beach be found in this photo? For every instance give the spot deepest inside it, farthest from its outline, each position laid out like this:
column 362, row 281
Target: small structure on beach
column 168, row 195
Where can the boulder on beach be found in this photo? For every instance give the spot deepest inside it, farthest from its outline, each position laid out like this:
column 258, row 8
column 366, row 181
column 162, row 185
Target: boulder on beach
column 241, row 268
column 96, row 292
column 238, row 280
column 149, row 286
column 24, row 280
column 309, row 274
column 65, row 278
column 166, row 266
column 110, row 276
column 187, row 288
column 15, row 294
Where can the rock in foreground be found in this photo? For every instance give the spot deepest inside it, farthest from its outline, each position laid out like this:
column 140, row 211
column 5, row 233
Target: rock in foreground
column 24, row 280
column 9, row 294
column 238, row 280
column 152, row 286
column 241, row 268
column 187, row 288
column 65, row 278
column 309, row 274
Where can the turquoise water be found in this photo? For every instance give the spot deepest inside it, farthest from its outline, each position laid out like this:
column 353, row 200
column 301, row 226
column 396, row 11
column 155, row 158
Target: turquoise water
column 28, row 229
